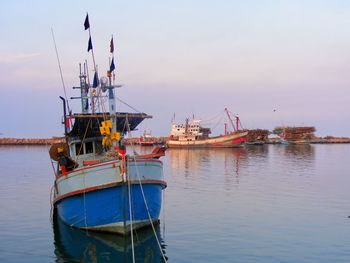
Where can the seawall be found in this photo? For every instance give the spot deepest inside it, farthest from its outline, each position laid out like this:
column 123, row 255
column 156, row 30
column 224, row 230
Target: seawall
column 30, row 141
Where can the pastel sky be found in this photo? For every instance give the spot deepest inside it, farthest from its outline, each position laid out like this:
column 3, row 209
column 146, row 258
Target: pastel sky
column 272, row 62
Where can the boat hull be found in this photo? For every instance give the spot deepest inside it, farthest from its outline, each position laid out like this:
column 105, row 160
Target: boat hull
column 108, row 209
column 226, row 141
column 97, row 198
column 146, row 143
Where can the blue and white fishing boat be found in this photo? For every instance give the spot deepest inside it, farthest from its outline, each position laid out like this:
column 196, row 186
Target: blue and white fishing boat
column 98, row 186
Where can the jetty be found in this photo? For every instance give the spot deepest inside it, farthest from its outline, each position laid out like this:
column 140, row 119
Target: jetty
column 31, row 141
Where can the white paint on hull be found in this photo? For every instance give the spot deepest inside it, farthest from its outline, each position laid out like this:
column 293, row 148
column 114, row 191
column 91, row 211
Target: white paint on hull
column 215, row 142
column 107, row 173
column 119, row 226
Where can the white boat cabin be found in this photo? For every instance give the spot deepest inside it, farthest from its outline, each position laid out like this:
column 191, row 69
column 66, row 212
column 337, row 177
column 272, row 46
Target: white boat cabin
column 190, row 131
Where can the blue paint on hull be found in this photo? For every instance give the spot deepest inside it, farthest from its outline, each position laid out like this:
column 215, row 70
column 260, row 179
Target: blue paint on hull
column 110, row 205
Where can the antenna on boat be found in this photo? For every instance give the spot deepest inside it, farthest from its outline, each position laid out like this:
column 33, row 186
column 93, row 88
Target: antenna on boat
column 61, row 74
column 83, row 90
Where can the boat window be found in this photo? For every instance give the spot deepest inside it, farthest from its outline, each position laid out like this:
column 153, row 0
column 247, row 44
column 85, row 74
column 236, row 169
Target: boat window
column 89, row 147
column 78, row 151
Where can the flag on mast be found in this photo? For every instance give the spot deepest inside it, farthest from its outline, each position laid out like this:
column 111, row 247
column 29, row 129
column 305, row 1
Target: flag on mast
column 86, row 23
column 111, row 46
column 95, row 84
column 112, row 66
column 90, row 44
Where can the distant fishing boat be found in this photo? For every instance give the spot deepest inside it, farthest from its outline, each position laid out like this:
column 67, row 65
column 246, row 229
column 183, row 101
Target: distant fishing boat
column 146, row 139
column 193, row 135
column 98, row 186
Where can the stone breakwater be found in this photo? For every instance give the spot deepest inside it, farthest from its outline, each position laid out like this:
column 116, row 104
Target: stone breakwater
column 30, row 141
column 128, row 141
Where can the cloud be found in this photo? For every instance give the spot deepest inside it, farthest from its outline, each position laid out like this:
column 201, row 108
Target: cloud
column 15, row 58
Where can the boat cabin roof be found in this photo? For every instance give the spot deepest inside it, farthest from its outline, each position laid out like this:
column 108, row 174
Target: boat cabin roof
column 82, row 121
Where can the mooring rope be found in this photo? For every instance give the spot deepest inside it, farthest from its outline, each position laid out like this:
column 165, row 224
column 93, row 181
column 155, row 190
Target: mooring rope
column 144, row 199
column 51, row 204
column 131, row 226
column 84, row 201
column 148, row 213
column 163, row 212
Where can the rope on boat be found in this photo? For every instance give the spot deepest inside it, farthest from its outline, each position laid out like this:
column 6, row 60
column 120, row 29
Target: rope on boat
column 82, row 141
column 214, row 118
column 84, row 201
column 53, row 168
column 163, row 212
column 219, row 122
column 131, row 222
column 129, row 195
column 145, row 201
column 148, row 213
column 60, row 68
column 131, row 107
column 51, row 204
column 52, row 192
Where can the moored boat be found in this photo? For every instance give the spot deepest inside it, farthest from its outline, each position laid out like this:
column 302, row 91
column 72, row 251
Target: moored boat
column 193, row 135
column 98, row 186
column 146, row 139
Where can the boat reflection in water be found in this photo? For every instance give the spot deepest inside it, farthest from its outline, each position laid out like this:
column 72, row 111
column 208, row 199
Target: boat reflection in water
column 75, row 245
column 195, row 162
column 300, row 150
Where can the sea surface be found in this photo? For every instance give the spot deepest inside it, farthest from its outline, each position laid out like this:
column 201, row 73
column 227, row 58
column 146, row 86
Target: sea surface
column 272, row 203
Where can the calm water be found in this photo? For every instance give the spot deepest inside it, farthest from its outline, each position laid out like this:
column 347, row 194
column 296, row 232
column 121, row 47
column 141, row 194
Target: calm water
column 273, row 203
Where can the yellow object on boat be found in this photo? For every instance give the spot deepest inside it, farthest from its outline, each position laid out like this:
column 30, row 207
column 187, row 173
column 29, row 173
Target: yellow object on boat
column 106, row 141
column 105, row 128
column 115, row 136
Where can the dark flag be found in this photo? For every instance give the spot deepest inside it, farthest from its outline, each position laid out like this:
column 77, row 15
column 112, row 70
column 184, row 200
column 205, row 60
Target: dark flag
column 90, row 44
column 112, row 46
column 86, row 23
column 95, row 84
column 112, row 66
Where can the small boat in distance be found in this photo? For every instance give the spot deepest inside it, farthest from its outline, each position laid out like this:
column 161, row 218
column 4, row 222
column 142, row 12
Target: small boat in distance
column 193, row 135
column 146, row 139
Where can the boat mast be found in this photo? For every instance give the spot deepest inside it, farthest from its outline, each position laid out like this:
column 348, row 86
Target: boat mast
column 112, row 110
column 230, row 119
column 111, row 99
column 83, row 90
column 111, row 106
column 186, row 127
column 237, row 122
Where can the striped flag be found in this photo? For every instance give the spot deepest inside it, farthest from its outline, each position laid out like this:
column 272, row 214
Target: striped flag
column 112, row 66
